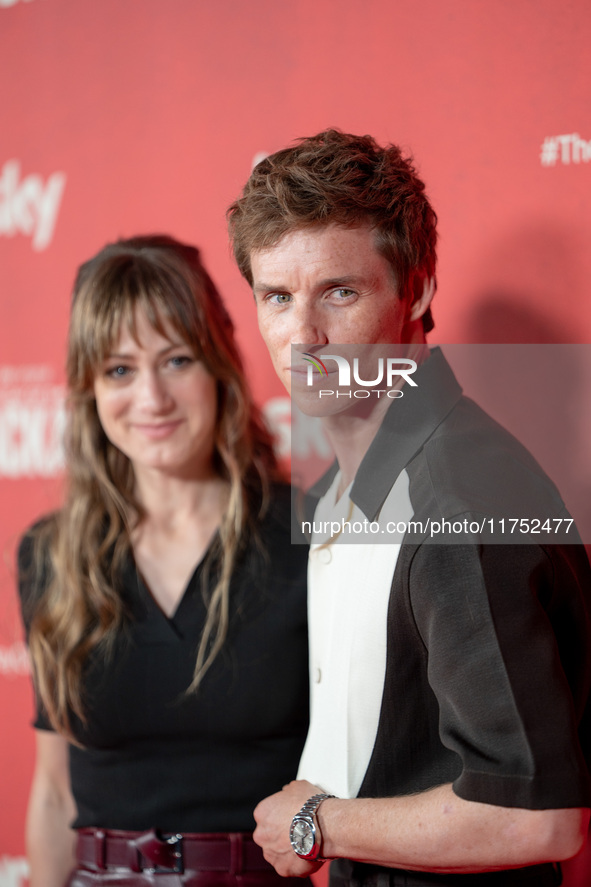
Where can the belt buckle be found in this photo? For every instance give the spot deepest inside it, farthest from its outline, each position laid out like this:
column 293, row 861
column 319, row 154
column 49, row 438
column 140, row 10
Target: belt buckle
column 175, row 842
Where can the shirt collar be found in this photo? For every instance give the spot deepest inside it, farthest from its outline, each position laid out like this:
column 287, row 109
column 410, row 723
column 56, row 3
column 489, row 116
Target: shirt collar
column 409, row 422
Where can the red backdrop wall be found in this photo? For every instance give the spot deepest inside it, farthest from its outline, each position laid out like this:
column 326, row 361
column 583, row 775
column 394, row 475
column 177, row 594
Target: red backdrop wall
column 146, row 115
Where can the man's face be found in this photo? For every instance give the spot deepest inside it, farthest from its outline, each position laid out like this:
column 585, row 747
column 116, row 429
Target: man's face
column 325, row 286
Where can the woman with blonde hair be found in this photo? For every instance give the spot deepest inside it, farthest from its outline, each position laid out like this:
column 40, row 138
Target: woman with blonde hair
column 164, row 602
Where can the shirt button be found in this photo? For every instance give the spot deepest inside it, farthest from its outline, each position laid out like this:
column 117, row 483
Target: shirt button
column 325, row 556
column 317, row 675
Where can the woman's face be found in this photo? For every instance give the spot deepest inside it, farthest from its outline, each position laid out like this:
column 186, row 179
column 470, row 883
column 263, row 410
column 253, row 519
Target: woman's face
column 157, row 403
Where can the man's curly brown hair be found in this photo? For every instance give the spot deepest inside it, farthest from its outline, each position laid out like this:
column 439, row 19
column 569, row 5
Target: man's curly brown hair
column 343, row 179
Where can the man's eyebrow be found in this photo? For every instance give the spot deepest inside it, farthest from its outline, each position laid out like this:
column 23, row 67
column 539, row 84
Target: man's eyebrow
column 343, row 280
column 267, row 288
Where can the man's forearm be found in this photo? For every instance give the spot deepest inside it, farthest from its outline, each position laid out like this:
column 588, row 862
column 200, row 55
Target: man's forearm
column 431, row 831
column 438, row 831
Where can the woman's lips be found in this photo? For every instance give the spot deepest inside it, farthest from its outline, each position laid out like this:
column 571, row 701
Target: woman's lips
column 156, row 431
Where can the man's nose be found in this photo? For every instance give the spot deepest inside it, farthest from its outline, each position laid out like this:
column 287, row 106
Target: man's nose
column 309, row 327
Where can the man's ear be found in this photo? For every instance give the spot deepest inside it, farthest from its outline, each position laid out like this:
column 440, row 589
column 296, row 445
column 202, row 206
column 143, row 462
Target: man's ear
column 423, row 291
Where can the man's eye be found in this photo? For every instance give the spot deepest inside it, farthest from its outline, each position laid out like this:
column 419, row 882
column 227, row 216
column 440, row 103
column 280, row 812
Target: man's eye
column 343, row 292
column 280, row 298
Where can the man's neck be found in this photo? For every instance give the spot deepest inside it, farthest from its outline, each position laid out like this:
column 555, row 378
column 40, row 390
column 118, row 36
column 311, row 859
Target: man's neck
column 351, row 437
column 351, row 433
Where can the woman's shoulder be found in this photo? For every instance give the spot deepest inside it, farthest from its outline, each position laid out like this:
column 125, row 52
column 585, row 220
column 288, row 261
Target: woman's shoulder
column 33, row 562
column 279, row 511
column 279, row 500
column 271, row 569
column 35, row 537
column 278, row 529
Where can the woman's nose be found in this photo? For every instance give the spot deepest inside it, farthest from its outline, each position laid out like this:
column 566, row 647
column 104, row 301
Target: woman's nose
column 152, row 391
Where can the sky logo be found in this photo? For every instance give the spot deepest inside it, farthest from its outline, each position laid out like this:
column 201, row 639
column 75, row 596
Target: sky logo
column 29, row 205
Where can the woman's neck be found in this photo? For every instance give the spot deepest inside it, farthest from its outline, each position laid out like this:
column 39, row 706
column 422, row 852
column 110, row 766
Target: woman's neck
column 181, row 517
column 168, row 499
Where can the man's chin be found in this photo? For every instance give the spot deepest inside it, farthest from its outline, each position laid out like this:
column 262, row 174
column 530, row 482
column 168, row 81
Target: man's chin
column 312, row 406
column 322, row 403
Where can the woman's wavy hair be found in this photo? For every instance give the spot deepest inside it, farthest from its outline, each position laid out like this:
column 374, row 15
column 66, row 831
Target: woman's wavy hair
column 348, row 180
column 81, row 550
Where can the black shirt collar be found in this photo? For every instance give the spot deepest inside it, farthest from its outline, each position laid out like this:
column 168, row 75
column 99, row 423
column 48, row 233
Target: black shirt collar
column 409, row 422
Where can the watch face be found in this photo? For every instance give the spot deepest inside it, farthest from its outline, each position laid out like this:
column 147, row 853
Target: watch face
column 302, row 837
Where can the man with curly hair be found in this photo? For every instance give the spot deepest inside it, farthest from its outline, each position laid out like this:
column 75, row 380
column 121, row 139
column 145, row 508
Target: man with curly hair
column 449, row 681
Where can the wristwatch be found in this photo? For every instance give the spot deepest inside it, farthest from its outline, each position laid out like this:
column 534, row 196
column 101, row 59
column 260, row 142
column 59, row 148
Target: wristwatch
column 304, row 833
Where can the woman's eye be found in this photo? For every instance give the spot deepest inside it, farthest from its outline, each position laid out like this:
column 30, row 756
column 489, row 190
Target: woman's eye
column 117, row 372
column 180, row 360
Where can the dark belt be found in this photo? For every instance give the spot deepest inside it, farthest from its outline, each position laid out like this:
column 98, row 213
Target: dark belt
column 233, row 852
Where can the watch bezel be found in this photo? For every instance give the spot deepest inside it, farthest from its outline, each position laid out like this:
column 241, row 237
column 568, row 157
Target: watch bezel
column 309, row 821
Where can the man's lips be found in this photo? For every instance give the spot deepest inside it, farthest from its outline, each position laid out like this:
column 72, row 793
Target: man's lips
column 301, row 372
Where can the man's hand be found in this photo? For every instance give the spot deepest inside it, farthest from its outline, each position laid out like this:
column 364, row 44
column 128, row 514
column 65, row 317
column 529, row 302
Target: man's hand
column 273, row 817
